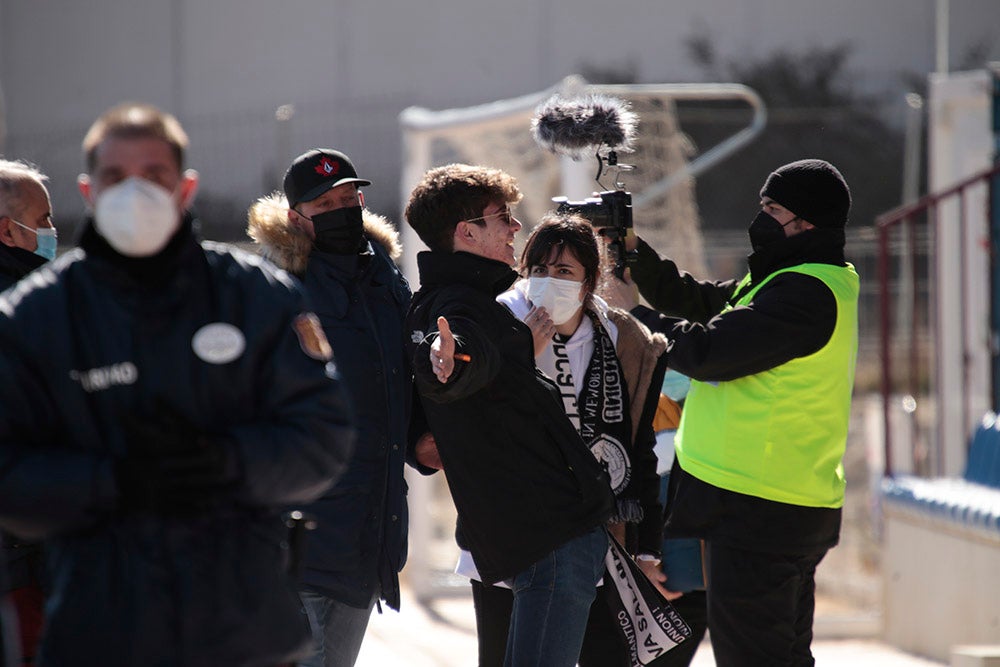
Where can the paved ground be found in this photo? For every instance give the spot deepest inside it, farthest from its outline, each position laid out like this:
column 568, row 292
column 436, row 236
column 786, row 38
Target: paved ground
column 444, row 635
column 848, row 600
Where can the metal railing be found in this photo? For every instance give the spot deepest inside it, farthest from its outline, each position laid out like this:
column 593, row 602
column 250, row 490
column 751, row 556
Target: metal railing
column 907, row 216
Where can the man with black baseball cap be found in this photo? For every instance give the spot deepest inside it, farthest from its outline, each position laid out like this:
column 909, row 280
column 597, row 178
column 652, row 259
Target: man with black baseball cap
column 324, row 183
column 320, row 231
column 758, row 472
column 316, row 171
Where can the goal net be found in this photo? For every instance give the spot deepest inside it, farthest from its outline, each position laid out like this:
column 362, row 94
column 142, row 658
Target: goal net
column 498, row 135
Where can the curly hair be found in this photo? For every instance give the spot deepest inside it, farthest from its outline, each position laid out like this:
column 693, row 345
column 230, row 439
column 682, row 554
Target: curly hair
column 447, row 195
column 566, row 231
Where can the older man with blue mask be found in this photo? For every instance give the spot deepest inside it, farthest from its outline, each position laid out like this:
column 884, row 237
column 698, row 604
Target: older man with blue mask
column 27, row 235
column 27, row 241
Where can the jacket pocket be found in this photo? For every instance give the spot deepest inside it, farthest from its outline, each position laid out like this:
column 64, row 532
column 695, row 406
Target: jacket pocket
column 330, row 301
column 341, row 517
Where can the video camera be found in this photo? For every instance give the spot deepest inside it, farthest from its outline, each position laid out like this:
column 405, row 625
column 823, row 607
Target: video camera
column 610, row 212
column 574, row 126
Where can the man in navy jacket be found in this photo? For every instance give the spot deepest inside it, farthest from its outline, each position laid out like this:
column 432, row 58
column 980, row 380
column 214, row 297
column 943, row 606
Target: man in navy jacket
column 319, row 230
column 171, row 397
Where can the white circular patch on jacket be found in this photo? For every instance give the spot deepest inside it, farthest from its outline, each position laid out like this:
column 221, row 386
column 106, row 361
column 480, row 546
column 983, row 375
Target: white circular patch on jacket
column 218, row 343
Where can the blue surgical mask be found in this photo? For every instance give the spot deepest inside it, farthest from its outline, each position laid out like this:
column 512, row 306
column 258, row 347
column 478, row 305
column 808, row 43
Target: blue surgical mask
column 47, row 240
column 676, row 385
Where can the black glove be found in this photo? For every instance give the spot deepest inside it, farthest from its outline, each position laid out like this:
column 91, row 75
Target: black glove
column 171, row 468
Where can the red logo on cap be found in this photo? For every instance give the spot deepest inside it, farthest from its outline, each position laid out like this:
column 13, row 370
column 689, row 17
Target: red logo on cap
column 327, row 167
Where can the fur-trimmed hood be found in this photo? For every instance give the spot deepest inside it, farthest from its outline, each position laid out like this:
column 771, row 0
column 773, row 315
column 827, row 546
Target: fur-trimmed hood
column 288, row 247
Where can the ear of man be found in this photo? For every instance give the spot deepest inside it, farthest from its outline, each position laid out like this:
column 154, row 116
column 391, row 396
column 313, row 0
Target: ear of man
column 7, row 231
column 86, row 191
column 466, row 236
column 188, row 187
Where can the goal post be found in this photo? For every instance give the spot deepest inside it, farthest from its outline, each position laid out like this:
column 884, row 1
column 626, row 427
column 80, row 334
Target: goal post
column 498, row 135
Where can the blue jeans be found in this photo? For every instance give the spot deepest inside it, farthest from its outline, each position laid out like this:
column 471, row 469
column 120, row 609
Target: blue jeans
column 552, row 601
column 337, row 630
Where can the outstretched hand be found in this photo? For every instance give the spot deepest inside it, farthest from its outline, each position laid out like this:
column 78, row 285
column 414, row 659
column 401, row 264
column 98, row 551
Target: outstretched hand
column 442, row 353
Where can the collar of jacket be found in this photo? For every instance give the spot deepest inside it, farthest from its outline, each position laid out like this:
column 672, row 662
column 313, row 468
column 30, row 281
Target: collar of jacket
column 463, row 268
column 344, row 266
column 819, row 246
column 18, row 262
column 154, row 271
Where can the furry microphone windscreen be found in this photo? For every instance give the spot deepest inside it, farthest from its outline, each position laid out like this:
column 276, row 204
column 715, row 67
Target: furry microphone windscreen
column 573, row 126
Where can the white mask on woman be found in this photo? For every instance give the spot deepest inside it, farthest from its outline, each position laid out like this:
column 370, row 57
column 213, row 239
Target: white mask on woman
column 561, row 298
column 136, row 217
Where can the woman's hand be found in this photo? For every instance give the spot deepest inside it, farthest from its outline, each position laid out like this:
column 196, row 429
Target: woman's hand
column 651, row 568
column 542, row 328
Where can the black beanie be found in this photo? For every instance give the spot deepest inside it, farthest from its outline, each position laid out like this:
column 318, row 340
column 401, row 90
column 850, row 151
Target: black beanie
column 813, row 190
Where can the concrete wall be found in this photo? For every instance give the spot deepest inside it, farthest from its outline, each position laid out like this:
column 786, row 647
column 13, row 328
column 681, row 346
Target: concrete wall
column 941, row 586
column 224, row 66
column 60, row 61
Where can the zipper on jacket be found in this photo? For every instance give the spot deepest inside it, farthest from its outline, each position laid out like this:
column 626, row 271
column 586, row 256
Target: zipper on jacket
column 362, row 298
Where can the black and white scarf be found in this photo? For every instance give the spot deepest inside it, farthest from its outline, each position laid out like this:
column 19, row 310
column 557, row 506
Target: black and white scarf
column 601, row 413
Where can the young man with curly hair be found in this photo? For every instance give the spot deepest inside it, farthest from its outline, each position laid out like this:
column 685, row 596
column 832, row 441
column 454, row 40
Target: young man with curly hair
column 532, row 500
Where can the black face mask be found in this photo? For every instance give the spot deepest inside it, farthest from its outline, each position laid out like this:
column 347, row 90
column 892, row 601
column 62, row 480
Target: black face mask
column 765, row 230
column 339, row 231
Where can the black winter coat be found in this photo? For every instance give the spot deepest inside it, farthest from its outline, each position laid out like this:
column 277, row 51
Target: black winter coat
column 522, row 480
column 359, row 544
column 23, row 559
column 136, row 588
column 16, row 263
column 792, row 316
column 361, row 540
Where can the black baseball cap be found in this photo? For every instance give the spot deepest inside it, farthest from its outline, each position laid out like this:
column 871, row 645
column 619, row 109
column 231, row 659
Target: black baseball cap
column 316, row 171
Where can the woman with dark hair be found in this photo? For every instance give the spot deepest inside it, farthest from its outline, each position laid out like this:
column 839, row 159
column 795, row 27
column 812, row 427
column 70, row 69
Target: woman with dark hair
column 608, row 368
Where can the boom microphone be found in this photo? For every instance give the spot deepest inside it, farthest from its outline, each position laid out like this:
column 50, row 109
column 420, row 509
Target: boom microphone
column 573, row 126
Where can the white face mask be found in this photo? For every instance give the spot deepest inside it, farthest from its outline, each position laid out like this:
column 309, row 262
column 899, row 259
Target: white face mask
column 561, row 298
column 136, row 217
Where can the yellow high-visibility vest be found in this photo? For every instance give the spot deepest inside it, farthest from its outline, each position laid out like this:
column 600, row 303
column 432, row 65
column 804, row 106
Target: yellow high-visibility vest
column 780, row 434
